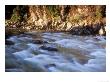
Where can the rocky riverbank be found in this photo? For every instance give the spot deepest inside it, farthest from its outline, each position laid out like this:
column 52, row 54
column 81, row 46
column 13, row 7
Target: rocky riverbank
column 96, row 29
column 78, row 20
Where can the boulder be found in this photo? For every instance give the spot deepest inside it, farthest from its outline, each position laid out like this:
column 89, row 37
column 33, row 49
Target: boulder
column 7, row 42
column 38, row 41
column 29, row 65
column 69, row 25
column 11, row 61
column 102, row 31
column 49, row 47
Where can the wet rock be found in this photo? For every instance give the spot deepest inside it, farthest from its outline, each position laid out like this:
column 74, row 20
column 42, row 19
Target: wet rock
column 50, row 65
column 20, row 46
column 99, row 38
column 10, row 61
column 13, row 39
column 13, row 31
column 82, row 31
column 39, row 41
column 49, row 47
column 7, row 42
column 32, row 66
column 86, row 30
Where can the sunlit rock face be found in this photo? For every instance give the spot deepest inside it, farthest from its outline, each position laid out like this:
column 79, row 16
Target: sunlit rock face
column 58, row 18
column 56, row 52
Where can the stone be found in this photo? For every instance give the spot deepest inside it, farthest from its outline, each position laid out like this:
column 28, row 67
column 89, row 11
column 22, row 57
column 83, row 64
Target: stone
column 29, row 65
column 69, row 25
column 50, row 65
column 38, row 41
column 7, row 42
column 49, row 48
column 10, row 61
column 102, row 31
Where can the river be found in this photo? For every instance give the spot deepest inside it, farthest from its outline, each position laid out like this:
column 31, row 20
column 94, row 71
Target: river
column 55, row 52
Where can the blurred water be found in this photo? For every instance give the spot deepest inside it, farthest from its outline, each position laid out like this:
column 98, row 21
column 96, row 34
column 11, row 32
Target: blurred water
column 75, row 53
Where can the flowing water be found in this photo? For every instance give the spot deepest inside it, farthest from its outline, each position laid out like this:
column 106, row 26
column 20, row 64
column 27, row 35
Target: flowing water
column 56, row 52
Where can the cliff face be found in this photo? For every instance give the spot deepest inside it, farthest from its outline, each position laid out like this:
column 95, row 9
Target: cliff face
column 59, row 17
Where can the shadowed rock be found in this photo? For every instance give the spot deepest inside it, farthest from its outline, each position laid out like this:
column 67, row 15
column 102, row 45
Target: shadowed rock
column 87, row 30
column 39, row 41
column 7, row 42
column 49, row 48
column 10, row 61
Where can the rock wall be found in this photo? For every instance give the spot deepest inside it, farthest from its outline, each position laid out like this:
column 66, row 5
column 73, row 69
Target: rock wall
column 60, row 17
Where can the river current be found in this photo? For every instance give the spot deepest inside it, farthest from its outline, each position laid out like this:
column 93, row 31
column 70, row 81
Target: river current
column 55, row 52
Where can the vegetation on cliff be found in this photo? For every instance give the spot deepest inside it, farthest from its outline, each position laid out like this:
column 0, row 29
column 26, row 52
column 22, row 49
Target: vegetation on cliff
column 87, row 19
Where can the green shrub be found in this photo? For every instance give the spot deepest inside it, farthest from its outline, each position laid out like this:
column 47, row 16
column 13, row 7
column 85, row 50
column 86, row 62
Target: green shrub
column 98, row 14
column 53, row 10
column 15, row 16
